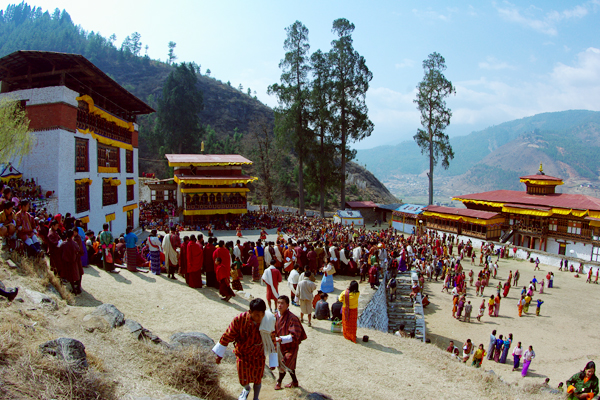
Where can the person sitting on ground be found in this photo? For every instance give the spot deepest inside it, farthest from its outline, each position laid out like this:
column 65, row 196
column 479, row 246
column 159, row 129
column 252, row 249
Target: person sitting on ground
column 7, row 220
column 584, row 384
column 425, row 301
column 336, row 311
column 322, row 308
column 401, row 332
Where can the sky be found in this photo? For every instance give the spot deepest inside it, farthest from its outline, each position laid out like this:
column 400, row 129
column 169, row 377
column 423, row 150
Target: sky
column 507, row 60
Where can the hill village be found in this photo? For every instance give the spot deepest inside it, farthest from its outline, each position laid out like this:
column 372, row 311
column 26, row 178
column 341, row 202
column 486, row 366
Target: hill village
column 297, row 296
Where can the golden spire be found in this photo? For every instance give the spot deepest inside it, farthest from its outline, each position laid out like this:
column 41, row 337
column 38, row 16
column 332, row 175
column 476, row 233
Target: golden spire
column 541, row 169
column 202, row 150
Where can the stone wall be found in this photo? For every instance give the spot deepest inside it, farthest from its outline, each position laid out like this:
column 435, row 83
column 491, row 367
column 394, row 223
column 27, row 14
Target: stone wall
column 375, row 315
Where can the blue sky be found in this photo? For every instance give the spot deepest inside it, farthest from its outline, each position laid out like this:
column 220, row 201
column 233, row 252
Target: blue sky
column 507, row 60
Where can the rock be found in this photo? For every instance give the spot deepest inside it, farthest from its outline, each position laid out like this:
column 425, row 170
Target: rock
column 318, row 396
column 111, row 314
column 52, row 290
column 93, row 323
column 2, row 286
column 185, row 339
column 11, row 264
column 134, row 327
column 41, row 299
column 70, row 350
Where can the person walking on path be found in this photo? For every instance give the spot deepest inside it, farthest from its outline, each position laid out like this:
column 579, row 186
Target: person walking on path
column 516, row 278
column 131, row 246
column 537, row 308
column 155, row 247
column 249, row 350
column 492, row 345
column 305, row 290
column 528, row 356
column 517, row 353
column 272, row 278
column 106, row 241
column 289, row 334
column 349, row 300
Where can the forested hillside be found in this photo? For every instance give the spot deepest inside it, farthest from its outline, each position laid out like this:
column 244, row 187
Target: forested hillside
column 228, row 120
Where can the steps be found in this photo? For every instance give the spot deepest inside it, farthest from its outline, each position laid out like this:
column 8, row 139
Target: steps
column 401, row 311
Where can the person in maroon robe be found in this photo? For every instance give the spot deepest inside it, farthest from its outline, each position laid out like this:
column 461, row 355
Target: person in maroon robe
column 183, row 257
column 289, row 333
column 224, row 254
column 223, row 272
column 70, row 268
column 209, row 264
column 312, row 259
column 53, row 248
column 195, row 260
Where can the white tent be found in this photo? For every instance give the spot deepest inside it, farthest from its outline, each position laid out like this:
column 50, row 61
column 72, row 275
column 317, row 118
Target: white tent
column 347, row 217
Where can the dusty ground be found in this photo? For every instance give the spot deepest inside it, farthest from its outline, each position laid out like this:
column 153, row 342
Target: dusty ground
column 564, row 336
column 387, row 367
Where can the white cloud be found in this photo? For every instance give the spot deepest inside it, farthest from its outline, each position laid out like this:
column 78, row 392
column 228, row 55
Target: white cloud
column 431, row 14
column 546, row 24
column 492, row 64
column 406, row 63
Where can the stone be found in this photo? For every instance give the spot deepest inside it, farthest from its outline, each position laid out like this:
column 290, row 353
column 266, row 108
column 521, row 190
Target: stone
column 139, row 332
column 52, row 290
column 318, row 396
column 70, row 350
column 41, row 299
column 111, row 314
column 92, row 323
column 185, row 339
column 2, row 286
column 11, row 264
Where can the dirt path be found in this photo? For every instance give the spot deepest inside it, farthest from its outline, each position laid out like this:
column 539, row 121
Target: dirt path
column 387, row 367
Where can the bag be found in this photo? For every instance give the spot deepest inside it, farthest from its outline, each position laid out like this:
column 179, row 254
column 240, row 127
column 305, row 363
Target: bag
column 109, row 257
column 336, row 326
column 332, row 272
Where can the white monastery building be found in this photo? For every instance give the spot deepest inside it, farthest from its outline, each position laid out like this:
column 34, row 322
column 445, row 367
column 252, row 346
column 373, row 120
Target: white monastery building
column 85, row 146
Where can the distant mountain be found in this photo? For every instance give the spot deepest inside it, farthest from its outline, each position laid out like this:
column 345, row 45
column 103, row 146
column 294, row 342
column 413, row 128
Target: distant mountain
column 406, row 158
column 566, row 143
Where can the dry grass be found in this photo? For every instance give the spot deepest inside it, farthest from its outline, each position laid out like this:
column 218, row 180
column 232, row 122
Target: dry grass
column 34, row 376
column 190, row 370
column 40, row 271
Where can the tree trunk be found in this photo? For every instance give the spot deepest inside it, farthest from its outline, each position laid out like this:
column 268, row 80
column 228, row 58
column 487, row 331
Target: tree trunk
column 301, row 184
column 430, row 175
column 322, row 179
column 343, row 145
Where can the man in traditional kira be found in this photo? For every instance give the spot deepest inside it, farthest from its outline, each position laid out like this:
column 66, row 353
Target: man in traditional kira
column 244, row 332
column 289, row 333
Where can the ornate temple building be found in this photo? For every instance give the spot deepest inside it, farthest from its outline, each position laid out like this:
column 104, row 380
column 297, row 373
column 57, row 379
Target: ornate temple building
column 210, row 186
column 537, row 218
column 85, row 135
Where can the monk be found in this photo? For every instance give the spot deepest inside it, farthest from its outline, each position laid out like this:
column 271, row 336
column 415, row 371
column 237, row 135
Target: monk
column 70, row 269
column 223, row 272
column 249, row 349
column 195, row 261
column 209, row 263
column 289, row 334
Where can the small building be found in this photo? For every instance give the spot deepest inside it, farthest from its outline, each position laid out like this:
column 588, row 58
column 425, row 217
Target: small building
column 459, row 221
column 85, row 135
column 406, row 217
column 369, row 210
column 210, row 186
column 348, row 217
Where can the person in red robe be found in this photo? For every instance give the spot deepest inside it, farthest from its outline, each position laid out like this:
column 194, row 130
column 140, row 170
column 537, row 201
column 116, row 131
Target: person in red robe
column 289, row 333
column 249, row 350
column 223, row 276
column 209, row 264
column 70, row 268
column 312, row 259
column 223, row 253
column 183, row 257
column 195, row 261
column 272, row 277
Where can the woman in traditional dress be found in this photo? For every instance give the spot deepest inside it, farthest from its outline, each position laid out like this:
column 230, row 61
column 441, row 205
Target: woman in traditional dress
column 155, row 247
column 584, row 384
column 327, row 280
column 238, row 231
column 349, row 299
column 505, row 348
column 236, row 275
column 517, row 353
column 498, row 348
column 506, row 289
column 253, row 264
column 491, row 303
column 527, row 358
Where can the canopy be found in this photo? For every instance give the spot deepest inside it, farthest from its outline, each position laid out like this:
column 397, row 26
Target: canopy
column 9, row 172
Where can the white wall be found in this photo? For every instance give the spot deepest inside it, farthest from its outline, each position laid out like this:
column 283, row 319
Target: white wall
column 47, row 95
column 406, row 228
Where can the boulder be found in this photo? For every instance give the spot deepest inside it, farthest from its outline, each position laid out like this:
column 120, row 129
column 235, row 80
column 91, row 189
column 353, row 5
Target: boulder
column 139, row 332
column 41, row 299
column 185, row 339
column 92, row 323
column 70, row 350
column 2, row 286
column 111, row 314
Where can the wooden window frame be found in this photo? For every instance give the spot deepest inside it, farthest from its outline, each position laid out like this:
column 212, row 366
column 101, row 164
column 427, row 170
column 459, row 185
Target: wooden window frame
column 130, row 188
column 129, row 161
column 109, row 156
column 82, row 197
column 110, row 194
column 82, row 155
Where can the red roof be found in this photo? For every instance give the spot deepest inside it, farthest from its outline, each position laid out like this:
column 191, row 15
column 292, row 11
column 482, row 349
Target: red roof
column 463, row 212
column 541, row 178
column 207, row 159
column 361, row 204
column 559, row 200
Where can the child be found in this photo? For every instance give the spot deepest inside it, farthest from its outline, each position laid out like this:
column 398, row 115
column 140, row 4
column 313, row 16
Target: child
column 539, row 304
column 236, row 275
column 478, row 356
column 481, row 310
column 561, row 385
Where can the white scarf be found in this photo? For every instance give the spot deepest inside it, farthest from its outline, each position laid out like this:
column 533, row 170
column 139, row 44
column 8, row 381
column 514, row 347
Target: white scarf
column 278, row 254
column 293, row 280
column 268, row 278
